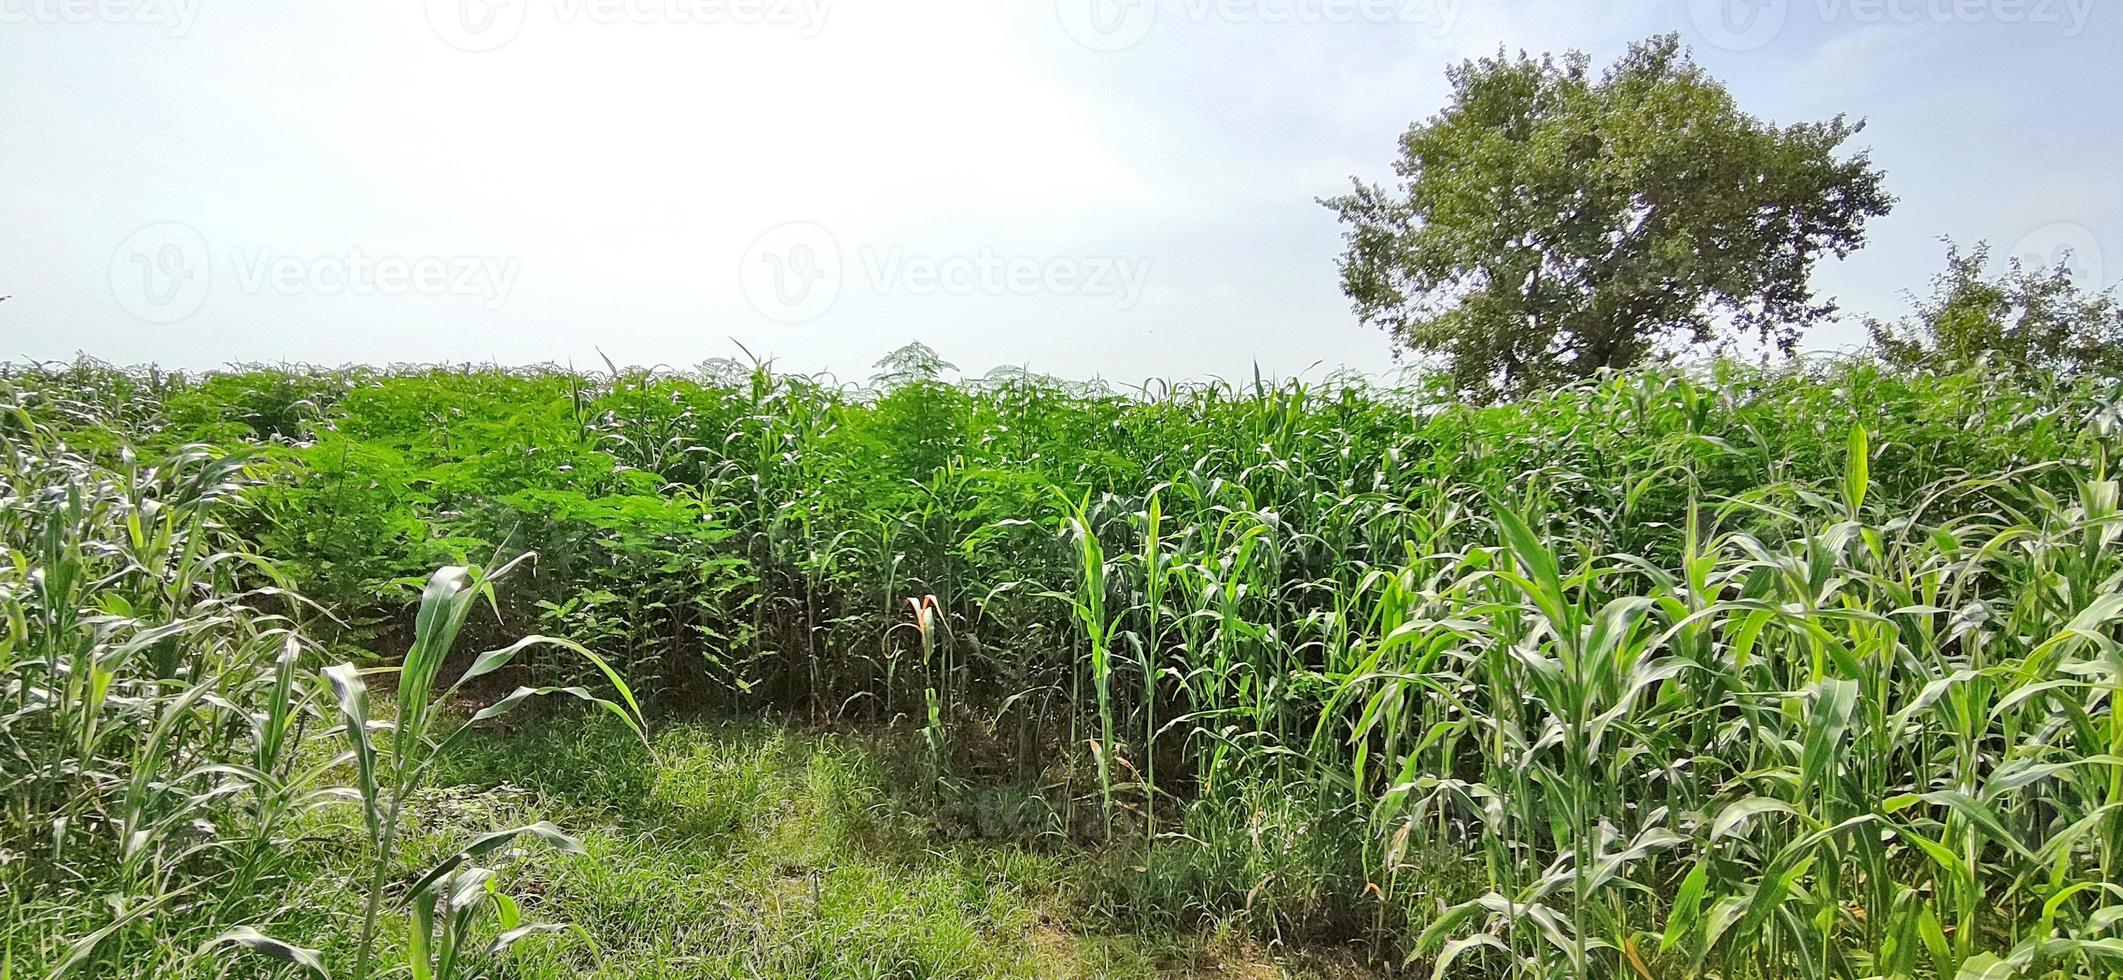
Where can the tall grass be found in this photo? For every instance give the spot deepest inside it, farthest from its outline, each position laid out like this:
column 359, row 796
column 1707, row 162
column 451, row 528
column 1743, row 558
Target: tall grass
column 1805, row 673
column 159, row 719
column 148, row 720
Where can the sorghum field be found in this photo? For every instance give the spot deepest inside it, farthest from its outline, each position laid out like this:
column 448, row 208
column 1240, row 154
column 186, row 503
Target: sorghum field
column 1728, row 672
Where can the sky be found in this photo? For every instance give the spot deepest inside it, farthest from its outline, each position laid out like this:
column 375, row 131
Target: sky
column 1124, row 189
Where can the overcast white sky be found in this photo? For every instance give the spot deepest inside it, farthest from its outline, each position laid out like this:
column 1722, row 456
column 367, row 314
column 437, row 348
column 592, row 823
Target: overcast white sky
column 1087, row 187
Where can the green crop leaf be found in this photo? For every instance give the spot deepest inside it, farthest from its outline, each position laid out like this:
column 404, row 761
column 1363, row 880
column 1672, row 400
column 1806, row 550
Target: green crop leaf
column 245, row 937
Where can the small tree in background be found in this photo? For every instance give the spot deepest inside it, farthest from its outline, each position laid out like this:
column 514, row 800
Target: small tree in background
column 914, row 363
column 1549, row 225
column 2026, row 318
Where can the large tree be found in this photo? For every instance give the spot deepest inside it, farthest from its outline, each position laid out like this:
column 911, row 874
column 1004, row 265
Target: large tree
column 1548, row 225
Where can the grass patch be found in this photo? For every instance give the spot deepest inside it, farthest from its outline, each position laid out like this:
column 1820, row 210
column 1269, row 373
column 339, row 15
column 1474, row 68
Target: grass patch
column 744, row 848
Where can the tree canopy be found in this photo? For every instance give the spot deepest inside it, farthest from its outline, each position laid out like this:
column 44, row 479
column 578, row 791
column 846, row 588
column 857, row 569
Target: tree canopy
column 2027, row 317
column 1549, row 224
